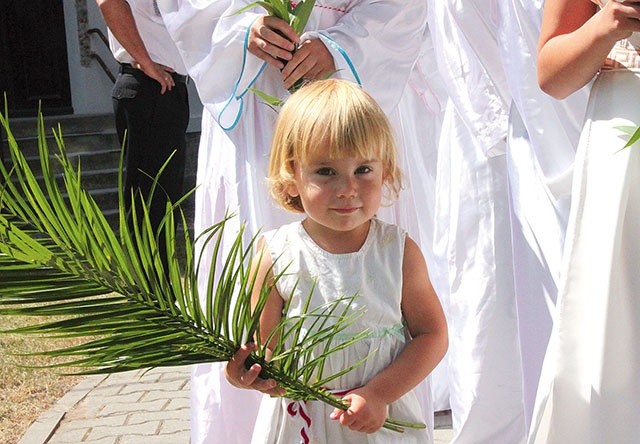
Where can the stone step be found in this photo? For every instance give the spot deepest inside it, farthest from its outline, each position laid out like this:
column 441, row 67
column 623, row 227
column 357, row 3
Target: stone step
column 23, row 128
column 92, row 142
column 75, row 145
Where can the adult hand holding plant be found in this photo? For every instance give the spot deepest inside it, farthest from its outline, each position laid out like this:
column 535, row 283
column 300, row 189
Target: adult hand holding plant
column 275, row 39
column 311, row 61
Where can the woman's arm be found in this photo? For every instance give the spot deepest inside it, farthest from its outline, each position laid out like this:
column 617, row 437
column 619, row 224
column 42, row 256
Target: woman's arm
column 575, row 39
column 428, row 328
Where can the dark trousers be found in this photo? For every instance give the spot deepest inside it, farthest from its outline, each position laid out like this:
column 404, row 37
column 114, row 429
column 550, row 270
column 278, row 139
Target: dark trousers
column 155, row 126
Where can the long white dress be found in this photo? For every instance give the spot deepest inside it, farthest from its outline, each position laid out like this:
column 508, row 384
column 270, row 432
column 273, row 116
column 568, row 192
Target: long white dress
column 590, row 390
column 377, row 43
column 541, row 143
column 374, row 273
column 473, row 227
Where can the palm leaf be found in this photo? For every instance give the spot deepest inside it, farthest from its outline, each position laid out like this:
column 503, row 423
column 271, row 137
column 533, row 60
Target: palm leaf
column 265, row 4
column 300, row 15
column 59, row 256
column 633, row 132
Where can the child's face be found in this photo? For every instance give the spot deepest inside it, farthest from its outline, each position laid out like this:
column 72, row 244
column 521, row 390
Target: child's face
column 339, row 194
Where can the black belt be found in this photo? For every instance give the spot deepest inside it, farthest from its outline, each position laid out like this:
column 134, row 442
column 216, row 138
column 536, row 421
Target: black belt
column 127, row 68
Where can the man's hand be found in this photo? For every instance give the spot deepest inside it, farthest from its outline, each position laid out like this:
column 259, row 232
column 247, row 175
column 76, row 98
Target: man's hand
column 160, row 73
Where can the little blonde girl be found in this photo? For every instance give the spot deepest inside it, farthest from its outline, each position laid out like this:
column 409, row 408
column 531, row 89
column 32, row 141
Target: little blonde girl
column 333, row 158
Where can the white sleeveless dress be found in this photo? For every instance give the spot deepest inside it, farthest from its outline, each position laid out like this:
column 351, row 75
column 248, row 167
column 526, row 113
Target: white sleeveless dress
column 590, row 388
column 375, row 274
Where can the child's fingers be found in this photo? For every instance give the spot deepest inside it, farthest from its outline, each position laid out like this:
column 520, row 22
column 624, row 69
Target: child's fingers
column 235, row 369
column 240, row 356
column 249, row 378
column 336, row 414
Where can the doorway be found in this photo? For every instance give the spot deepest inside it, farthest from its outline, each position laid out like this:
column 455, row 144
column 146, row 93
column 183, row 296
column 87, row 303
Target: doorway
column 34, row 67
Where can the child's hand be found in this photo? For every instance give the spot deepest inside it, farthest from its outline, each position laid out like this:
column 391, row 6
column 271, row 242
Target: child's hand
column 272, row 40
column 366, row 412
column 240, row 377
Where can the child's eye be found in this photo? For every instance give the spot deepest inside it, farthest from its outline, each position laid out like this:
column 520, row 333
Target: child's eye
column 364, row 169
column 325, row 171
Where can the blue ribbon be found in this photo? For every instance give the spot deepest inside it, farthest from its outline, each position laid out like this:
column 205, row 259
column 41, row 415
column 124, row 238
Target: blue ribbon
column 234, row 95
column 344, row 55
column 240, row 97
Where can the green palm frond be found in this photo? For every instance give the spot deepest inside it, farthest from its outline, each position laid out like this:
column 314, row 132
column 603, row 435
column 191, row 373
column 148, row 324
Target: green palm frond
column 633, row 132
column 59, row 256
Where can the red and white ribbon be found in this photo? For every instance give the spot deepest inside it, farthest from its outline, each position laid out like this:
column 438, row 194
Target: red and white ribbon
column 299, row 408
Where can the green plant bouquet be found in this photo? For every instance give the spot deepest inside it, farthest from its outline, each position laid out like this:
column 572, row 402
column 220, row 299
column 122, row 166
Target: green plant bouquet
column 59, row 256
column 294, row 13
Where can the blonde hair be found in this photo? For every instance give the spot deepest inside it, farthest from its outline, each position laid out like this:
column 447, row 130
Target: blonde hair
column 337, row 115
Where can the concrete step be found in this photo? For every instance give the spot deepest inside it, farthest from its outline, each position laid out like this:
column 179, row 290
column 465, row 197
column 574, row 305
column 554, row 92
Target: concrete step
column 22, row 128
column 91, row 142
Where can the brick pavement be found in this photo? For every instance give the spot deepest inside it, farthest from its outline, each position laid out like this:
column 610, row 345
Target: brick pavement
column 132, row 408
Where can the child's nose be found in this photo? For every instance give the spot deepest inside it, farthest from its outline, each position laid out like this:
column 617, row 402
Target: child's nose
column 347, row 187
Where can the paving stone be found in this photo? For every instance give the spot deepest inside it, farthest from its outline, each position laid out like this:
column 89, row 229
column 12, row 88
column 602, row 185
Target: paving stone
column 69, row 436
column 153, row 406
column 175, row 438
column 170, row 427
column 165, row 415
column 150, row 428
column 100, row 421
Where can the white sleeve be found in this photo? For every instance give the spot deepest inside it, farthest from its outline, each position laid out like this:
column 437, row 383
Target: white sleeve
column 211, row 40
column 382, row 40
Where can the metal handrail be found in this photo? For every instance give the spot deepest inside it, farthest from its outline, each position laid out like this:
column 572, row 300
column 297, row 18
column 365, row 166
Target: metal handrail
column 99, row 59
column 100, row 34
column 104, row 66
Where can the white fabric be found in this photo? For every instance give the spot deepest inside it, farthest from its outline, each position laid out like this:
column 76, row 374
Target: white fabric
column 590, row 387
column 465, row 40
column 153, row 32
column 473, row 226
column 418, row 122
column 374, row 273
column 383, row 40
column 543, row 134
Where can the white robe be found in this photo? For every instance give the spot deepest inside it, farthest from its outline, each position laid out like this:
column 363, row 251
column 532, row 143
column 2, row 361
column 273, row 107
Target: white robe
column 473, row 231
column 543, row 134
column 382, row 41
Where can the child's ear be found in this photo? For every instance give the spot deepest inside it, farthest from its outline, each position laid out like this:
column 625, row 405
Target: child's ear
column 292, row 190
